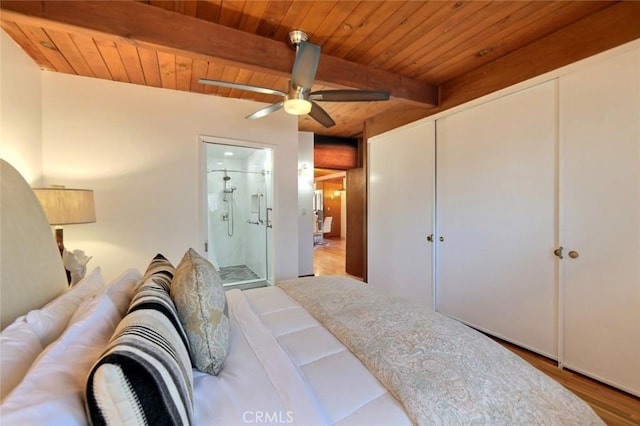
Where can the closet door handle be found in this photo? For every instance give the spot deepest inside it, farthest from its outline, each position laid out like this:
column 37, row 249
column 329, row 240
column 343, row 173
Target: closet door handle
column 574, row 254
column 558, row 252
column 430, row 238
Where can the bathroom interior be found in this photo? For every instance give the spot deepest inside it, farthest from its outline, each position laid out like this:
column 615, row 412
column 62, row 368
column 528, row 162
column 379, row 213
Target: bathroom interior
column 239, row 212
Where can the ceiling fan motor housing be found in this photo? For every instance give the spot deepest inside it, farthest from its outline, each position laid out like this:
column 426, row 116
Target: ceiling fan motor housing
column 296, row 37
column 296, row 92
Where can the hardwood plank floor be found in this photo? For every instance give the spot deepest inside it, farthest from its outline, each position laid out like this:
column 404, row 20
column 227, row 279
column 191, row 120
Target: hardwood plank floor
column 615, row 407
column 329, row 257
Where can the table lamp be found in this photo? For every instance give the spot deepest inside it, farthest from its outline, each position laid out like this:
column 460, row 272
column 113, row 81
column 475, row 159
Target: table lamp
column 64, row 206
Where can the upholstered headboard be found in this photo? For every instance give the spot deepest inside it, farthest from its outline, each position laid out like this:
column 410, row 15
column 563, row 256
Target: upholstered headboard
column 31, row 271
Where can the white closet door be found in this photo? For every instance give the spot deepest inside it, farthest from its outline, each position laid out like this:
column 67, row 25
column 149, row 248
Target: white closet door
column 600, row 136
column 496, row 214
column 400, row 211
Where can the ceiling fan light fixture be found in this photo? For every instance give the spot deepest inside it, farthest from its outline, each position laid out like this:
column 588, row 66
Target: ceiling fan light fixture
column 297, row 100
column 297, row 106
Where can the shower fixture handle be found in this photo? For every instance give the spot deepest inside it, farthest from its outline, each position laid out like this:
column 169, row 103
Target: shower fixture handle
column 269, row 210
column 260, row 209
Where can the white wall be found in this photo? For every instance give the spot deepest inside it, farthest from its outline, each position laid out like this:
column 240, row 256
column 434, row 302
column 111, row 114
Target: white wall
column 305, row 204
column 20, row 111
column 138, row 149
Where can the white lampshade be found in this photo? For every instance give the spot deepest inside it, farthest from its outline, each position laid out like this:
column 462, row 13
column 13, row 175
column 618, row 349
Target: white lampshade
column 64, row 206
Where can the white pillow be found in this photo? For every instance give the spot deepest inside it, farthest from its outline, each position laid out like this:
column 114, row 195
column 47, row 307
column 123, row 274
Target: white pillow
column 52, row 392
column 49, row 322
column 19, row 347
column 120, row 290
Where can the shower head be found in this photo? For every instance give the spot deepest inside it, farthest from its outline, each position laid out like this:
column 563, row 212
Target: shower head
column 226, row 176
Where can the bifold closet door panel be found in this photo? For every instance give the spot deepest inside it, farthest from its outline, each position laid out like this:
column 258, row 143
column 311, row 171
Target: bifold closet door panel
column 400, row 211
column 496, row 217
column 600, row 137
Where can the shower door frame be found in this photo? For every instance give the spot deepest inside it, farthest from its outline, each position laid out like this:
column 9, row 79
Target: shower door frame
column 203, row 140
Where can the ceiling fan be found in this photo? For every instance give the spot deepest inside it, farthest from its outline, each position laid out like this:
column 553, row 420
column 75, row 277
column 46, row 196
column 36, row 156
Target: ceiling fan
column 299, row 99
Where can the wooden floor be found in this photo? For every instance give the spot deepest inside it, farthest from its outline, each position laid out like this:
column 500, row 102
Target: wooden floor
column 328, row 257
column 613, row 406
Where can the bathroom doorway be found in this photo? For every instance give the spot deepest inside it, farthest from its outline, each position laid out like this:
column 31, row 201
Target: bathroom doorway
column 239, row 200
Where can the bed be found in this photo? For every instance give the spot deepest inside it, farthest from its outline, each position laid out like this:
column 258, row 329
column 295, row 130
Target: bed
column 169, row 346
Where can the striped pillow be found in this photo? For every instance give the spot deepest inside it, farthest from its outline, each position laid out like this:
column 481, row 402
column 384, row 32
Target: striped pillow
column 144, row 376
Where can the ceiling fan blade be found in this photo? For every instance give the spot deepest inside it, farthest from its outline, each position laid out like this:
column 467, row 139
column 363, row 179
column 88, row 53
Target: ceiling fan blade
column 256, row 89
column 321, row 116
column 349, row 95
column 266, row 110
column 305, row 65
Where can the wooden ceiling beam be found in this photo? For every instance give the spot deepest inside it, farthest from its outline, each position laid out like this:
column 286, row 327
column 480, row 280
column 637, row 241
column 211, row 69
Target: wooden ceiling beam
column 149, row 26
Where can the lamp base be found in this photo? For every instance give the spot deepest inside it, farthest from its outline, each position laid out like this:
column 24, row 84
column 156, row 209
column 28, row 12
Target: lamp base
column 60, row 242
column 60, row 239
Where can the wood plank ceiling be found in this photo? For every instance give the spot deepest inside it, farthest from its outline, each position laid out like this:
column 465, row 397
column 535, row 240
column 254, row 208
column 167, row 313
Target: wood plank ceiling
column 414, row 49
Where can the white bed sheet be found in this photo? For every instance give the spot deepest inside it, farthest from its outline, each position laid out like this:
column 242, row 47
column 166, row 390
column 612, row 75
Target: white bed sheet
column 283, row 367
column 257, row 382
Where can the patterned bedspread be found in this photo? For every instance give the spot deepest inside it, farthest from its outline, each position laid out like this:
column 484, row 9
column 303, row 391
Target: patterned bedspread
column 442, row 371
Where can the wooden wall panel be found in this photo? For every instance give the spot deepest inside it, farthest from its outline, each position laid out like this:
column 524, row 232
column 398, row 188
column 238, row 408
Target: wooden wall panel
column 335, row 153
column 339, row 157
column 356, row 244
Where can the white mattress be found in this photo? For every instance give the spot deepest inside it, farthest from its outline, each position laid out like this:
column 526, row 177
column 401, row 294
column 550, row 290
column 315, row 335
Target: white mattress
column 284, row 367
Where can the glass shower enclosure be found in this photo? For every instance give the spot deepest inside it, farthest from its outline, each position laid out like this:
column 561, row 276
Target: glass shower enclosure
column 239, row 200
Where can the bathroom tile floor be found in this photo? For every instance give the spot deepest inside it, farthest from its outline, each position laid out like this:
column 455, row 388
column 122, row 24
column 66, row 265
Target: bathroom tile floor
column 232, row 274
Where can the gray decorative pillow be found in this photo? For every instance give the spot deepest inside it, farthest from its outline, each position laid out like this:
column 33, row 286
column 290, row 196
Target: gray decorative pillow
column 197, row 291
